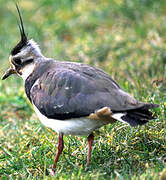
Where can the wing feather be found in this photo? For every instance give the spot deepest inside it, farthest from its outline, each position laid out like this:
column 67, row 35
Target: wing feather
column 65, row 93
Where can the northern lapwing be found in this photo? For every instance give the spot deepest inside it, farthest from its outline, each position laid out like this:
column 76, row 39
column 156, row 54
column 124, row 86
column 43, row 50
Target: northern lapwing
column 72, row 98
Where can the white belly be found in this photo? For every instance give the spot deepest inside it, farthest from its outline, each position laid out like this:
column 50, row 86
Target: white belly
column 81, row 126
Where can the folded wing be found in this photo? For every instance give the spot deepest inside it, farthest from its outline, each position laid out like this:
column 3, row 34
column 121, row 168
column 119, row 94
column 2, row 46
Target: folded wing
column 65, row 93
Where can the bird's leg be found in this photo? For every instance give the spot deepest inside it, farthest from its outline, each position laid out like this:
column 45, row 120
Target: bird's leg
column 90, row 141
column 60, row 149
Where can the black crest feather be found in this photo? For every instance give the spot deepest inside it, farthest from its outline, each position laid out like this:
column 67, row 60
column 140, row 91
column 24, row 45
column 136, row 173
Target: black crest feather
column 23, row 40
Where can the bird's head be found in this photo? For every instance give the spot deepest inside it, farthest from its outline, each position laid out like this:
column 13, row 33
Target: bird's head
column 23, row 55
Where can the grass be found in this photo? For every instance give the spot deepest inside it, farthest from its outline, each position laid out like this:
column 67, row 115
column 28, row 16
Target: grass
column 124, row 38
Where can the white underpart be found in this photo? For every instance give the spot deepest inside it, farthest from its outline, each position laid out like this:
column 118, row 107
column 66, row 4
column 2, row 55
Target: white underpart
column 75, row 126
column 27, row 71
column 118, row 116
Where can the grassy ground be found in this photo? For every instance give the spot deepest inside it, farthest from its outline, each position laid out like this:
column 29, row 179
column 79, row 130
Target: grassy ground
column 127, row 39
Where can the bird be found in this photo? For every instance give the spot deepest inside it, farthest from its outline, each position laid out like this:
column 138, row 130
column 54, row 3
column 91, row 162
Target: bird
column 72, row 98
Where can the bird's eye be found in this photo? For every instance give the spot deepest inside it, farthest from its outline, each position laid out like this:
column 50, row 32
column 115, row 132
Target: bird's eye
column 17, row 61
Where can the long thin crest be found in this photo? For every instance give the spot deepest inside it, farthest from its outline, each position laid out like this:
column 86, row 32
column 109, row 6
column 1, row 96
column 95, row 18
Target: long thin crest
column 23, row 36
column 19, row 27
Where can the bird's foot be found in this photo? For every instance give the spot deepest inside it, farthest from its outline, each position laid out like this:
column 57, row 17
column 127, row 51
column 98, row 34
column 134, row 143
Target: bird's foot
column 52, row 172
column 86, row 168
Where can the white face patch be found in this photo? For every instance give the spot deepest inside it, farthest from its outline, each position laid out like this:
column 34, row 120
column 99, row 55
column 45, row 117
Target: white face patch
column 27, row 70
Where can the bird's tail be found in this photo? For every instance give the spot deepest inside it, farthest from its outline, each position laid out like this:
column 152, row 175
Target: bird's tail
column 138, row 116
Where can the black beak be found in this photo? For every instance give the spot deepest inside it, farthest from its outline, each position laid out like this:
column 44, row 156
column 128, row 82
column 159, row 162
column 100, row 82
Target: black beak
column 9, row 72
